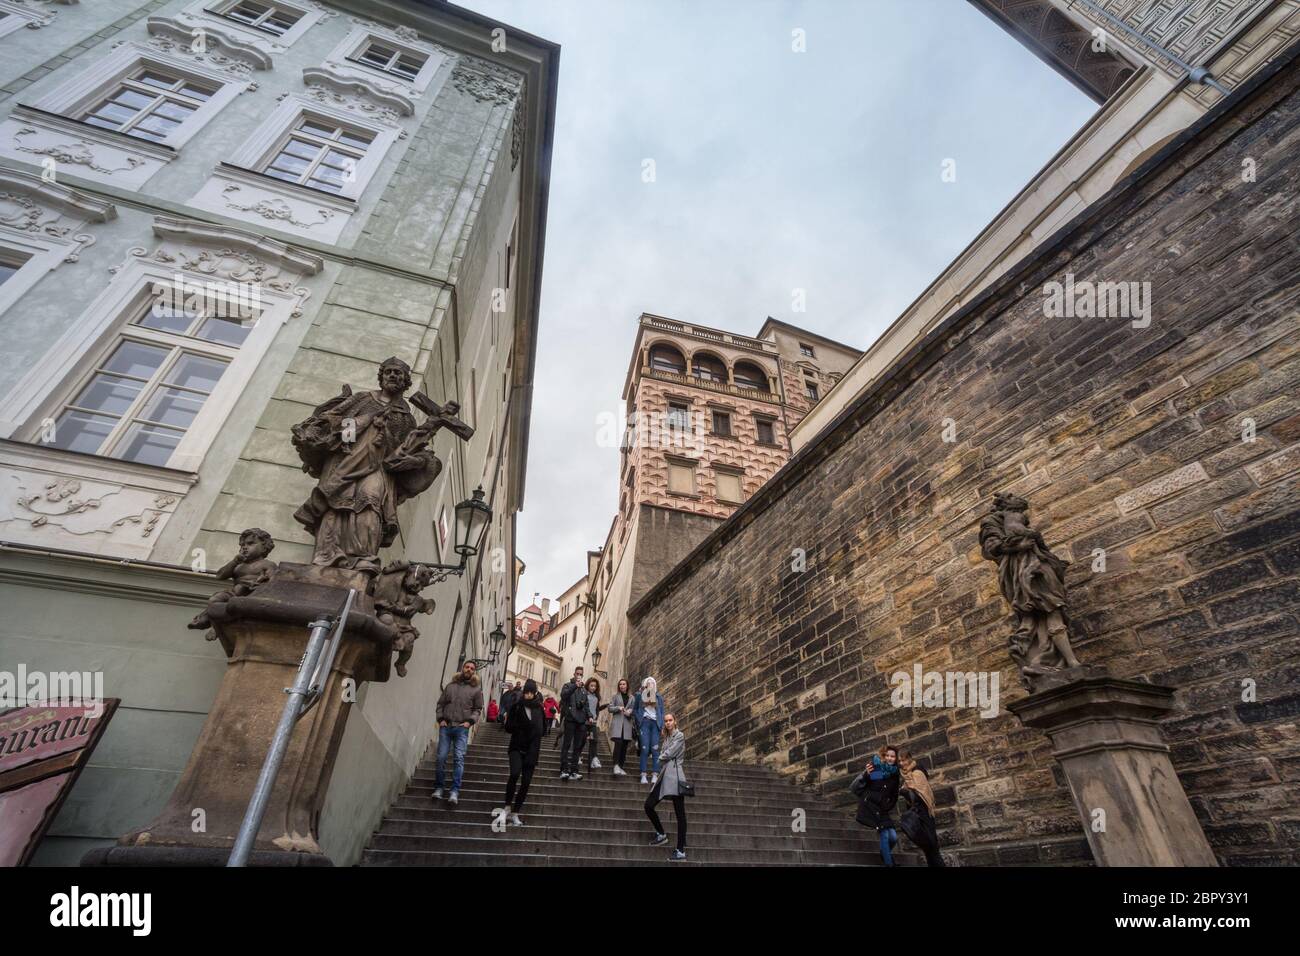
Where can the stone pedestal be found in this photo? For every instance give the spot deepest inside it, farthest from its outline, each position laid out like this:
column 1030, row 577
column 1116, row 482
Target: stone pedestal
column 265, row 635
column 1105, row 736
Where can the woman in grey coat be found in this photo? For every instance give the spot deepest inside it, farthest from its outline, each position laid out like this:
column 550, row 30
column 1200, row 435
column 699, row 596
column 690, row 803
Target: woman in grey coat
column 672, row 775
column 622, row 724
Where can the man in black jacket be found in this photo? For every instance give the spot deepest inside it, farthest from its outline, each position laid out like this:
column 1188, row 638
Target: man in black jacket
column 526, row 724
column 570, row 726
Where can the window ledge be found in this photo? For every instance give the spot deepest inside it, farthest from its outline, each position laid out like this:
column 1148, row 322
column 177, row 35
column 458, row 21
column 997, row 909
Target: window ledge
column 345, row 204
column 72, row 463
column 684, row 494
column 107, row 137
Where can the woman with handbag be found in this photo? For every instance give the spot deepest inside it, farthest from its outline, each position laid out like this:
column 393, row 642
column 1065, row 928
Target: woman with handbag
column 672, row 785
column 877, row 791
column 917, row 821
column 622, row 725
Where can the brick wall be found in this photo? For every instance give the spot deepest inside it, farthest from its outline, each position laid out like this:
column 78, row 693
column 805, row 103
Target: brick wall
column 1125, row 440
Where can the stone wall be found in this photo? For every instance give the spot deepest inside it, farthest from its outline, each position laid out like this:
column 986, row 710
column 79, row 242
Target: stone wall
column 1128, row 441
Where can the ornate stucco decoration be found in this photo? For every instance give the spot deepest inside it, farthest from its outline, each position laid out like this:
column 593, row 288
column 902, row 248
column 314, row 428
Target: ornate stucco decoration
column 327, row 85
column 274, row 210
column 29, row 204
column 76, row 153
column 486, row 82
column 221, row 50
column 38, row 12
column 517, row 134
column 60, row 499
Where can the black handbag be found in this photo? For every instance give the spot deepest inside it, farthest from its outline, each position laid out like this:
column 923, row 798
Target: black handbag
column 859, row 785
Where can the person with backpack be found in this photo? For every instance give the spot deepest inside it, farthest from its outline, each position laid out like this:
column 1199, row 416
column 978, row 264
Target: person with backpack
column 569, row 726
column 526, row 724
column 877, row 791
column 917, row 821
column 650, row 723
column 622, row 726
column 671, row 786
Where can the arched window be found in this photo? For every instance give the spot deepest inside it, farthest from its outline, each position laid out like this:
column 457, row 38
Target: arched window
column 749, row 375
column 709, row 367
column 665, row 358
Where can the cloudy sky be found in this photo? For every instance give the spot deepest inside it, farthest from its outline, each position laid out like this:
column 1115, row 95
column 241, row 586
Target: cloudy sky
column 775, row 170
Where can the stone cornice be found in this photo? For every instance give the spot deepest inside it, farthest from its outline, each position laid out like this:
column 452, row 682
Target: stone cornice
column 211, row 234
column 68, row 201
column 214, row 35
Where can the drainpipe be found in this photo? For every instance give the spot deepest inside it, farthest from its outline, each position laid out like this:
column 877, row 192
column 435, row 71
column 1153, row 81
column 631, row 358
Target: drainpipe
column 1197, row 74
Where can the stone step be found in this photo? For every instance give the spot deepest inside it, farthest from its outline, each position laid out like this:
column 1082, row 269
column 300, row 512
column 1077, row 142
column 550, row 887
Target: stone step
column 513, row 843
column 573, row 795
column 602, row 783
column 577, row 830
column 551, row 759
column 816, row 817
column 417, row 858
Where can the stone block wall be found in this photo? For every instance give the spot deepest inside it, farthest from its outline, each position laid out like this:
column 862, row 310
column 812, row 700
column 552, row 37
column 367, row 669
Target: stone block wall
column 1171, row 450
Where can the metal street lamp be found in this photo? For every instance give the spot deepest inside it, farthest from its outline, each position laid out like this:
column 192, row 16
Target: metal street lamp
column 595, row 664
column 494, row 641
column 472, row 518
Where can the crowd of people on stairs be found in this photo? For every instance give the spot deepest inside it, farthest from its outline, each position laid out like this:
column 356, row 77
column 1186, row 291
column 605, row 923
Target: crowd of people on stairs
column 640, row 717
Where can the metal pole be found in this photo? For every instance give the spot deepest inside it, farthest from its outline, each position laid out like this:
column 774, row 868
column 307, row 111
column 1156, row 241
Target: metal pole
column 293, row 709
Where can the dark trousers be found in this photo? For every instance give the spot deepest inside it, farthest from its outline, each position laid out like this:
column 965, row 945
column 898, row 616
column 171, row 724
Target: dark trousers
column 520, row 767
column 591, row 745
column 679, row 812
column 566, row 744
column 930, row 844
column 620, row 753
column 575, row 738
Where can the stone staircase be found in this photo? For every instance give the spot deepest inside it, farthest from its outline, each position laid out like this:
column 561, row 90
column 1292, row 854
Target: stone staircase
column 742, row 817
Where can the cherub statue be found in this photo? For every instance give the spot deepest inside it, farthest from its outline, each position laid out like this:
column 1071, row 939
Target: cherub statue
column 397, row 600
column 1032, row 580
column 247, row 569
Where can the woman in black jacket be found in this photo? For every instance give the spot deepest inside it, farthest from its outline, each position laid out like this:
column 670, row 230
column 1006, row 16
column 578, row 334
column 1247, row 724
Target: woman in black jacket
column 877, row 800
column 526, row 724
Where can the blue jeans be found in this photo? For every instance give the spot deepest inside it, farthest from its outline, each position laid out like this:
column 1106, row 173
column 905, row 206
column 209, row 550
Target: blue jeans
column 888, row 840
column 446, row 736
column 649, row 742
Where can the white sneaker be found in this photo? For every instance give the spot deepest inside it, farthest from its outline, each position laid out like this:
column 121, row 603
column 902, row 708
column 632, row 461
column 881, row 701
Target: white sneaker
column 515, row 821
column 454, row 797
column 575, row 776
column 595, row 763
column 643, row 779
column 619, row 771
column 654, row 778
column 564, row 776
column 437, row 793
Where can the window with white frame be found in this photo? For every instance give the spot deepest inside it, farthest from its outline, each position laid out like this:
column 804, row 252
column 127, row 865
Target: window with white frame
column 381, row 55
column 319, row 153
column 149, row 103
column 273, row 18
column 146, row 388
column 10, row 262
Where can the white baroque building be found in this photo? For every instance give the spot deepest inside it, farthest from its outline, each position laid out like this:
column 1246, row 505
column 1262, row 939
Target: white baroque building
column 307, row 188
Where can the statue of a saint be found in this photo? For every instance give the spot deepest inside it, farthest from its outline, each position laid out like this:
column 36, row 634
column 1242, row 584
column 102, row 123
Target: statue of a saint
column 1032, row 580
column 369, row 455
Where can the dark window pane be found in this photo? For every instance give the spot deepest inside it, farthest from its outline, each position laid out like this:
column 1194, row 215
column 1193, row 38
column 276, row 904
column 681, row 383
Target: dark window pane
column 157, row 79
column 171, row 406
column 148, row 445
column 195, row 371
column 135, row 359
column 225, row 331
column 351, row 138
column 108, row 393
column 77, row 431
